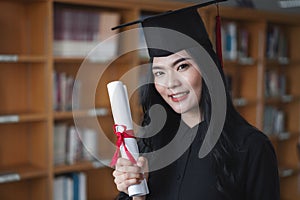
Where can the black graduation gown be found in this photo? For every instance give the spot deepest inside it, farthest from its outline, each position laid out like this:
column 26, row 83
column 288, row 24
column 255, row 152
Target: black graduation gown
column 192, row 178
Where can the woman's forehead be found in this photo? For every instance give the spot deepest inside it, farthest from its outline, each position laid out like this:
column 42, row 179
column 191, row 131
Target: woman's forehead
column 172, row 57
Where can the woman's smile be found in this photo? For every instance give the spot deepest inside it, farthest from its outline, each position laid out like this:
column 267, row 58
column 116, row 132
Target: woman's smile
column 180, row 96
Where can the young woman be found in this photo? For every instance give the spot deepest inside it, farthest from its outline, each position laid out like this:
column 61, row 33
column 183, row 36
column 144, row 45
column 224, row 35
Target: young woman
column 242, row 164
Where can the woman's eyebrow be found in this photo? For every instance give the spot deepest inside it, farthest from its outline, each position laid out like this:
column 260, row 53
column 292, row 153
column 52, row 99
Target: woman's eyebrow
column 173, row 64
column 179, row 60
column 157, row 67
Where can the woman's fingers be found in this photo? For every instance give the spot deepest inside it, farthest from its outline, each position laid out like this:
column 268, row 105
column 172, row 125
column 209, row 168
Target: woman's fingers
column 142, row 162
column 128, row 176
column 124, row 165
column 123, row 186
column 123, row 161
column 127, row 173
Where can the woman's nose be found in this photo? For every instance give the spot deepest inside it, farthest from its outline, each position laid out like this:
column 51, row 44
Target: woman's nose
column 172, row 81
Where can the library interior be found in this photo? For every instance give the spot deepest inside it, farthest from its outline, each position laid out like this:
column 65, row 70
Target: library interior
column 57, row 57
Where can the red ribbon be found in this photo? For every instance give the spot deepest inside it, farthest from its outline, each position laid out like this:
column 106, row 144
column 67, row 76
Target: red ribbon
column 219, row 37
column 120, row 141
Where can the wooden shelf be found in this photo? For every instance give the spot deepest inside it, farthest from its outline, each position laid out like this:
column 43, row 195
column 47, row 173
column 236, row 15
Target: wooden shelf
column 79, row 60
column 272, row 63
column 282, row 99
column 286, row 172
column 60, row 115
column 22, row 59
column 241, row 62
column 12, row 118
column 68, row 59
column 79, row 166
column 25, row 171
column 241, row 102
column 285, row 136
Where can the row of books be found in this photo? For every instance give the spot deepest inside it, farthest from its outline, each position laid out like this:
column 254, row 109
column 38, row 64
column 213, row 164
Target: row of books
column 70, row 187
column 77, row 31
column 64, row 88
column 277, row 44
column 275, row 84
column 274, row 121
column 73, row 144
column 235, row 42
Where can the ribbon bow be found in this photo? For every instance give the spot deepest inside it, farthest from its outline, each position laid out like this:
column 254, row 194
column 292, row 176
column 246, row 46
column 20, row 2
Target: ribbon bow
column 121, row 135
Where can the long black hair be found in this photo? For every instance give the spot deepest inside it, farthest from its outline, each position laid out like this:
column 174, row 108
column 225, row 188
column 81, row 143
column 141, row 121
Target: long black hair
column 224, row 152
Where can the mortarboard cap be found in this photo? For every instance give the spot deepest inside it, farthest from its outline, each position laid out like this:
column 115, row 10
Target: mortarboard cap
column 172, row 31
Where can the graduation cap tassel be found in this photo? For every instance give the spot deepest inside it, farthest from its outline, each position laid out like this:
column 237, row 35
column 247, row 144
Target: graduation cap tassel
column 219, row 37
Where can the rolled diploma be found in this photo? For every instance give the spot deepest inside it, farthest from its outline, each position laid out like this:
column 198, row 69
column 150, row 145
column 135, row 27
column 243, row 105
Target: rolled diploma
column 122, row 116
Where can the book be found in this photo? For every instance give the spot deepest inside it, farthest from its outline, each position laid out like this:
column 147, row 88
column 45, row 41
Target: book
column 59, row 143
column 79, row 186
column 76, row 94
column 277, row 44
column 274, row 121
column 108, row 47
column 71, row 186
column 82, row 186
column 73, row 144
column 75, row 177
column 275, row 84
column 54, row 91
column 77, row 31
column 68, row 193
column 73, row 148
column 283, row 48
column 66, row 92
column 230, row 41
column 243, row 44
column 90, row 143
column 272, row 41
column 58, row 188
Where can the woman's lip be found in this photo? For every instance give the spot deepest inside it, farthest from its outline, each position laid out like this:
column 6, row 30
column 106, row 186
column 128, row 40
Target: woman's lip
column 178, row 96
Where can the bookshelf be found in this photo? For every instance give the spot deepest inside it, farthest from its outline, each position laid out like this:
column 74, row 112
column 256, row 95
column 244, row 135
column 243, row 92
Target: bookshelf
column 264, row 80
column 287, row 101
column 29, row 115
column 25, row 126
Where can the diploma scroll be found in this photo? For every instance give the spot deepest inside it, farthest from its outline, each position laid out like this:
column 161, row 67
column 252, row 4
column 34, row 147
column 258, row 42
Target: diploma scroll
column 123, row 124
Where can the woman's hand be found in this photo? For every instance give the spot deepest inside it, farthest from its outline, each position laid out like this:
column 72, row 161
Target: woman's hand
column 127, row 173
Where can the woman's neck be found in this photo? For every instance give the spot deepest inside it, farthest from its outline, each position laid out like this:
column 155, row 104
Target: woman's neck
column 192, row 118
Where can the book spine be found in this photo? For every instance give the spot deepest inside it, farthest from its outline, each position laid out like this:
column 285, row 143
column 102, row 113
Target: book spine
column 230, row 41
column 71, row 186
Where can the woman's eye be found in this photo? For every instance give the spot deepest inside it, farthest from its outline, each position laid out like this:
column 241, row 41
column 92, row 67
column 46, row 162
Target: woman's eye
column 182, row 67
column 158, row 73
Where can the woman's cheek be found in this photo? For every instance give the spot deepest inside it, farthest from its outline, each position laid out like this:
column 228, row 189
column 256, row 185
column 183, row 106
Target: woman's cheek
column 159, row 88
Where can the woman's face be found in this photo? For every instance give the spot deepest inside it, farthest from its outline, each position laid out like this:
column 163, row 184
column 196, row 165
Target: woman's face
column 178, row 80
